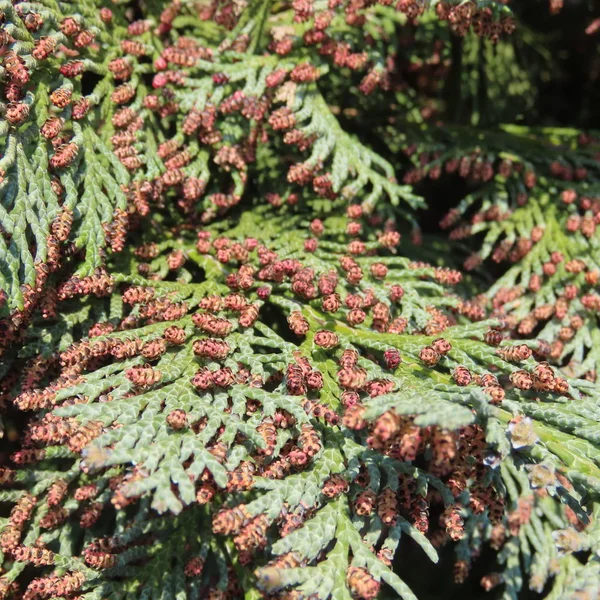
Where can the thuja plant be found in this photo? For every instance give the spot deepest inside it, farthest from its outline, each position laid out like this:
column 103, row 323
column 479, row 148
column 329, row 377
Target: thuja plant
column 532, row 203
column 62, row 186
column 369, row 403
column 530, row 195
column 233, row 376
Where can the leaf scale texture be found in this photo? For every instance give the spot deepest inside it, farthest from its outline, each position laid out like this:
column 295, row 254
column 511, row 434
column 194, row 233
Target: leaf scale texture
column 298, row 301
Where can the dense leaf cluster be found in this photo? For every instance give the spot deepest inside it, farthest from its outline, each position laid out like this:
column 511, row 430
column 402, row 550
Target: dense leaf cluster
column 237, row 360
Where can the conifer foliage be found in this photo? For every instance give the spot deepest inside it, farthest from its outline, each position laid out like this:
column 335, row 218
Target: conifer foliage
column 237, row 359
